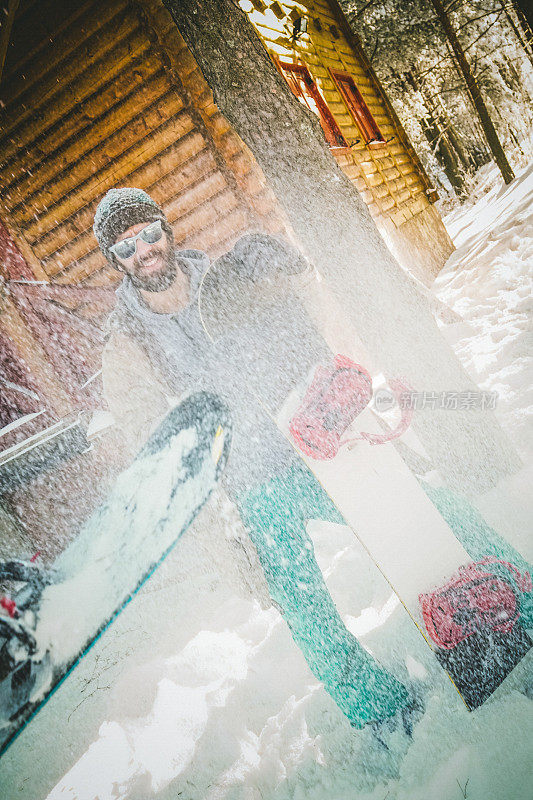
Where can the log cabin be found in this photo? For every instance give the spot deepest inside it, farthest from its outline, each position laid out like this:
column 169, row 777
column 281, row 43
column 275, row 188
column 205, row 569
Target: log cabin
column 99, row 94
column 325, row 66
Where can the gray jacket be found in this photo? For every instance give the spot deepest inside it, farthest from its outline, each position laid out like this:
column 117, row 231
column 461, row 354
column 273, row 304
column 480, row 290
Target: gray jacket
column 262, row 357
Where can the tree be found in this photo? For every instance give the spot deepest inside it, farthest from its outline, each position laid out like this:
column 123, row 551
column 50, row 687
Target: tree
column 522, row 30
column 406, row 40
column 524, row 11
column 479, row 104
column 441, row 136
column 334, row 226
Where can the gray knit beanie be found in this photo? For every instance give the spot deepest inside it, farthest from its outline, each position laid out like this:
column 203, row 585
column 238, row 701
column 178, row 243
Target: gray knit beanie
column 121, row 208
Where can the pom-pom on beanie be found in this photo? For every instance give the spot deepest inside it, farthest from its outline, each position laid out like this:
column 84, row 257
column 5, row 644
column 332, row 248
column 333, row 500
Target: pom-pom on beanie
column 118, row 210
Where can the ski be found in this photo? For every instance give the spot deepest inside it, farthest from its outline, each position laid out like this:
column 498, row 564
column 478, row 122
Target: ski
column 467, row 609
column 48, row 625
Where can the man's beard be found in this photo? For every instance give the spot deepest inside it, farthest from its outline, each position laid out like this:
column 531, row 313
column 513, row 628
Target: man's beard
column 159, row 280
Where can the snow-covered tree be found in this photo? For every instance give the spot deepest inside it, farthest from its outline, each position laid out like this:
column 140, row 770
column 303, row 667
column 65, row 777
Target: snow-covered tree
column 413, row 58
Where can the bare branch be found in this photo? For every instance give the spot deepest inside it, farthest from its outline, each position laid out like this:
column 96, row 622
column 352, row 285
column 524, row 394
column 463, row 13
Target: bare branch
column 481, row 16
column 364, row 8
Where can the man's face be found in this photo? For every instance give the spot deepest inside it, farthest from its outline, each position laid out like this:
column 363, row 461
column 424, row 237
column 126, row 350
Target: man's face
column 152, row 267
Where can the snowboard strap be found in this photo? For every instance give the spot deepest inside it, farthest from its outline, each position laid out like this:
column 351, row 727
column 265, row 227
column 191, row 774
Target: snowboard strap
column 338, row 393
column 398, row 387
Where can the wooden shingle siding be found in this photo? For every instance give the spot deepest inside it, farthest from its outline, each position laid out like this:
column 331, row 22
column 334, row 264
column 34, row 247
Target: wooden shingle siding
column 100, row 94
column 388, row 176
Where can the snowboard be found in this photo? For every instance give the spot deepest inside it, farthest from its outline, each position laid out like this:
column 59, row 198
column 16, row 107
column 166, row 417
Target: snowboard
column 468, row 612
column 50, row 623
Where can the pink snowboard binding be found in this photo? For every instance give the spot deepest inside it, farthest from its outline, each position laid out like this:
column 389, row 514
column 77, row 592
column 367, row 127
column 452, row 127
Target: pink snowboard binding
column 477, row 598
column 337, row 395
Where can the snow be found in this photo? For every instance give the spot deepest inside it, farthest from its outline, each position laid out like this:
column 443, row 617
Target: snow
column 219, row 703
column 119, row 544
column 488, row 282
column 20, row 421
column 197, row 690
column 100, row 420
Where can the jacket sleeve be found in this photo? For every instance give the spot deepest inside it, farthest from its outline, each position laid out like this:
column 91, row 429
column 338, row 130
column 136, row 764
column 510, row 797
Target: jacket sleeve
column 136, row 397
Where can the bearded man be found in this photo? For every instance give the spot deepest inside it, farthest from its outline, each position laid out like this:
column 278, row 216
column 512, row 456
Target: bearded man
column 157, row 350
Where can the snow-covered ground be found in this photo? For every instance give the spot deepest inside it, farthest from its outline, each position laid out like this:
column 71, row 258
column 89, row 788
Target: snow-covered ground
column 488, row 281
column 197, row 690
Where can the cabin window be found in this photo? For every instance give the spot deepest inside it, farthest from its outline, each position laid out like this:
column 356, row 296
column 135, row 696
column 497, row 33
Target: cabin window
column 358, row 108
column 305, row 89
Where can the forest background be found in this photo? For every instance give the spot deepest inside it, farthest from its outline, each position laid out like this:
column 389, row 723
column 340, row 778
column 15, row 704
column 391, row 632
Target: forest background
column 415, row 59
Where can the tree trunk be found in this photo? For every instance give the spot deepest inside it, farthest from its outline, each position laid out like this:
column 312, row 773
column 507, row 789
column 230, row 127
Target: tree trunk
column 453, row 138
column 440, row 120
column 524, row 12
column 443, row 153
column 473, row 88
column 523, row 35
column 336, row 231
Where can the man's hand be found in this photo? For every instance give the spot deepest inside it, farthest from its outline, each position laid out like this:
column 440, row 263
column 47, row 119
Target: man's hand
column 259, row 257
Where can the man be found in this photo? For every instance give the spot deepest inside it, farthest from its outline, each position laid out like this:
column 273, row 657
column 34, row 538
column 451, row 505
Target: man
column 157, row 349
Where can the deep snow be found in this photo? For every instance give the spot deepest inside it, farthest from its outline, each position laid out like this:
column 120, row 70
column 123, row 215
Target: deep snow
column 197, row 690
column 488, row 282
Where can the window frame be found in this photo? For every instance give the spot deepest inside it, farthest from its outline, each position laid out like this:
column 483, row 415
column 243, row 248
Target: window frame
column 335, row 139
column 359, row 111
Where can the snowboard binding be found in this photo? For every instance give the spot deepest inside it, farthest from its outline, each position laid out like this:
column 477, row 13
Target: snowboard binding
column 22, row 667
column 482, row 596
column 338, row 393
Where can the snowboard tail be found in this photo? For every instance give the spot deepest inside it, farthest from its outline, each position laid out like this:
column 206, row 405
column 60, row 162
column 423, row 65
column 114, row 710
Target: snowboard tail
column 474, row 624
column 479, row 664
column 50, row 624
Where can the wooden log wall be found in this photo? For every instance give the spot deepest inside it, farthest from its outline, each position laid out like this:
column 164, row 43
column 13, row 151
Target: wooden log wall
column 104, row 93
column 390, row 178
column 97, row 94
